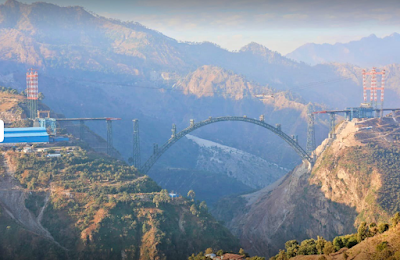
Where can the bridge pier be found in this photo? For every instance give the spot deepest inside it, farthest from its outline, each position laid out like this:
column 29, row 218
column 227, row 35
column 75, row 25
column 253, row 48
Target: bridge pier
column 81, row 129
column 262, row 118
column 109, row 137
column 310, row 134
column 136, row 145
column 332, row 125
column 173, row 130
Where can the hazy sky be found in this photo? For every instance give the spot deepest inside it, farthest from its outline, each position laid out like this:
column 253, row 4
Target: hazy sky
column 280, row 25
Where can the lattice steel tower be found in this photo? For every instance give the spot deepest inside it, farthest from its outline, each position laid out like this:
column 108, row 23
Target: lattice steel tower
column 374, row 88
column 136, row 145
column 310, row 134
column 109, row 137
column 32, row 92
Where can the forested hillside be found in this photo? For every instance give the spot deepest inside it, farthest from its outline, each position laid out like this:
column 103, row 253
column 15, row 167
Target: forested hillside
column 83, row 204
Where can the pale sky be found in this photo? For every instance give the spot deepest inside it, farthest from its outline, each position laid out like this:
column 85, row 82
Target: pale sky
column 280, row 25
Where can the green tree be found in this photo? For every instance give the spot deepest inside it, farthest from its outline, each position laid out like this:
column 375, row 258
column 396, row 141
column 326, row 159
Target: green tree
column 362, row 232
column 243, row 253
column 209, row 251
column 191, row 194
column 320, row 244
column 308, row 247
column 373, row 229
column 396, row 219
column 383, row 227
column 329, row 248
column 281, row 255
column 292, row 247
column 352, row 241
column 193, row 210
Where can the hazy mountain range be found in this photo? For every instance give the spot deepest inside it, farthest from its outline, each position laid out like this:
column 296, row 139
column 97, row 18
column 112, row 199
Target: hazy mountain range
column 369, row 51
column 91, row 66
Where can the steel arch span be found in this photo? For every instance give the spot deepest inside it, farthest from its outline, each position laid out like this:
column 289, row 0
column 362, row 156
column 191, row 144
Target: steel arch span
column 177, row 136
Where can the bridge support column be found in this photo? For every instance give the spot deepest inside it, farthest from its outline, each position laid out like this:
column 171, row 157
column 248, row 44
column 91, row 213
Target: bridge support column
column 109, row 137
column 191, row 122
column 173, row 130
column 332, row 125
column 81, row 129
column 262, row 118
column 310, row 134
column 155, row 148
column 136, row 144
column 279, row 127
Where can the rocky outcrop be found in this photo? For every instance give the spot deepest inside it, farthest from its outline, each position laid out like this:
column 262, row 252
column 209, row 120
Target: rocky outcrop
column 249, row 169
column 347, row 185
column 289, row 209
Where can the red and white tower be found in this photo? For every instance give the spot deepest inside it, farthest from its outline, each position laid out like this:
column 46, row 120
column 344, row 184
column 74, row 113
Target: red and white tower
column 373, row 88
column 32, row 91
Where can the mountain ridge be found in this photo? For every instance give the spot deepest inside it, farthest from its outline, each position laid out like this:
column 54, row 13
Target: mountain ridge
column 370, row 51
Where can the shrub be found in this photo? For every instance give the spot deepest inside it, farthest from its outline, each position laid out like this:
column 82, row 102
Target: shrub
column 328, row 248
column 396, row 219
column 308, row 247
column 338, row 243
column 381, row 246
column 292, row 247
column 383, row 227
column 362, row 231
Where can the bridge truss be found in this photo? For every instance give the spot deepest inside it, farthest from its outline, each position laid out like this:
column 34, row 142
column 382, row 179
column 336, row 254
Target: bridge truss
column 292, row 141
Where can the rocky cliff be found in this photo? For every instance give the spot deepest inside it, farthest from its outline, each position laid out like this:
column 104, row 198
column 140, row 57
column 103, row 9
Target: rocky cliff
column 353, row 180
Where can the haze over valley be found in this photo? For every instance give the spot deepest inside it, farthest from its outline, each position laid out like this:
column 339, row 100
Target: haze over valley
column 240, row 175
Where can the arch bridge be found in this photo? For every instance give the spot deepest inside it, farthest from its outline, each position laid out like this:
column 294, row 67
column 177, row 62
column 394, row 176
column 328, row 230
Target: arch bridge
column 292, row 141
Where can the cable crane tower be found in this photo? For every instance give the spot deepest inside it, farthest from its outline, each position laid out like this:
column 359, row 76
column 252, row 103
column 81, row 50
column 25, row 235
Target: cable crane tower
column 32, row 92
column 373, row 88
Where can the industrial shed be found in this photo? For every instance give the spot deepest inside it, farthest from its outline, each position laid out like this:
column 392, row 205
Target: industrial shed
column 25, row 135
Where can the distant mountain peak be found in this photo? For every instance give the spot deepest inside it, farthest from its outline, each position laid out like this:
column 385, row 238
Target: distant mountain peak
column 11, row 2
column 368, row 51
column 395, row 34
column 255, row 48
column 210, row 80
